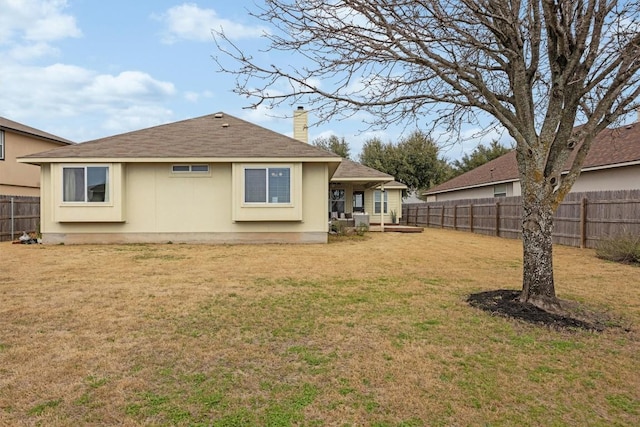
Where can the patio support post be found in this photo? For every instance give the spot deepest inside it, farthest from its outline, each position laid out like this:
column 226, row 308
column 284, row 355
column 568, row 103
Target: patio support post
column 382, row 208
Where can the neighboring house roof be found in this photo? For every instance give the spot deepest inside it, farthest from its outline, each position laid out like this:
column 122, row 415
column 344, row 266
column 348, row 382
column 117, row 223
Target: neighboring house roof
column 502, row 169
column 350, row 171
column 28, row 130
column 611, row 148
column 213, row 136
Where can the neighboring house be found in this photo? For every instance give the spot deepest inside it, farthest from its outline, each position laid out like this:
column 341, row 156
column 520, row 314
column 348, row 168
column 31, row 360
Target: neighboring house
column 16, row 140
column 613, row 163
column 212, row 179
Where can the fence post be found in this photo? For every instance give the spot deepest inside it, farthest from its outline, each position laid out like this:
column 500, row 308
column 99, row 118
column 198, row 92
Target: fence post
column 498, row 219
column 13, row 228
column 455, row 217
column 583, row 223
column 442, row 217
column 471, row 217
column 427, row 217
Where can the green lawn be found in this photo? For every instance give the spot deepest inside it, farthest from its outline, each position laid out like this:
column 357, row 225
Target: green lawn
column 370, row 332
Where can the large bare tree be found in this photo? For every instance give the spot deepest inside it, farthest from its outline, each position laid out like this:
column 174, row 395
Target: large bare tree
column 554, row 73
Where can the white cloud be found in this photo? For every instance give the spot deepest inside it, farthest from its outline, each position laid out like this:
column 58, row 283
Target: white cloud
column 127, row 85
column 196, row 96
column 35, row 21
column 121, row 102
column 28, row 52
column 189, row 22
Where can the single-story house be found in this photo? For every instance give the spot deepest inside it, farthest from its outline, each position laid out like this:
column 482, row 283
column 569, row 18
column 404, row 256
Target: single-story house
column 613, row 163
column 212, row 179
column 16, row 140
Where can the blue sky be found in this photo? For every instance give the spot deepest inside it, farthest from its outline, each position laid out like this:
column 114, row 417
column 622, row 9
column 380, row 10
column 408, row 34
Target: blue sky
column 85, row 69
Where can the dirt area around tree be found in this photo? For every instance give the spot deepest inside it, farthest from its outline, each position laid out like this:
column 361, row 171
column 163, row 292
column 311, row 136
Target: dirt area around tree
column 505, row 302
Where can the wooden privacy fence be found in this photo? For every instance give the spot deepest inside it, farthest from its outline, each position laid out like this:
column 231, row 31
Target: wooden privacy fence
column 581, row 220
column 18, row 214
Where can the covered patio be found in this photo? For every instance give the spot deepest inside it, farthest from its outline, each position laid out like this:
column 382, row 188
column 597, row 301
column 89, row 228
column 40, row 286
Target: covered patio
column 362, row 195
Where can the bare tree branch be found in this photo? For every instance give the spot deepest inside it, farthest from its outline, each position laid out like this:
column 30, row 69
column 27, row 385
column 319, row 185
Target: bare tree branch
column 539, row 68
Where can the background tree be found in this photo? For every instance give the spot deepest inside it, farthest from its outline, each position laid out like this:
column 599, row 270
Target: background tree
column 377, row 155
column 334, row 144
column 536, row 67
column 479, row 156
column 414, row 161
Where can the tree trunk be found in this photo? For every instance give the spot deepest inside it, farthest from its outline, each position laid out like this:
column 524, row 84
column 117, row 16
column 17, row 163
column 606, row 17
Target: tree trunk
column 537, row 281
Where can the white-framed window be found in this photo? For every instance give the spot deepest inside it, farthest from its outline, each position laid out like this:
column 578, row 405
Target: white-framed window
column 1, row 145
column 377, row 197
column 195, row 168
column 270, row 185
column 500, row 190
column 85, row 184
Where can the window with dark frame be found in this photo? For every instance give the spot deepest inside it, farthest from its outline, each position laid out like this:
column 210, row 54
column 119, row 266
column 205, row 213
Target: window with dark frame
column 195, row 168
column 1, row 145
column 338, row 201
column 85, row 184
column 267, row 185
column 358, row 201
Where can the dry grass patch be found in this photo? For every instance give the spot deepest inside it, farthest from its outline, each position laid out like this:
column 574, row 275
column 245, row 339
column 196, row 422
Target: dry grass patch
column 372, row 331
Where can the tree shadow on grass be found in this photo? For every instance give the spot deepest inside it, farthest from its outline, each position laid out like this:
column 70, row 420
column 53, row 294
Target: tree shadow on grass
column 505, row 302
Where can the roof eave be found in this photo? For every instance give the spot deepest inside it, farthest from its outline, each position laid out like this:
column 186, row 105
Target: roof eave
column 611, row 166
column 60, row 141
column 469, row 187
column 40, row 160
column 361, row 179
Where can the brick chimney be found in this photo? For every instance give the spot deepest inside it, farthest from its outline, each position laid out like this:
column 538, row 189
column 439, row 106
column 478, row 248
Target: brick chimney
column 300, row 127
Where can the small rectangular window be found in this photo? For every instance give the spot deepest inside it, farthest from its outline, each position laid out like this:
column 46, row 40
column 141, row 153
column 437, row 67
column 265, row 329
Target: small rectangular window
column 500, row 190
column 267, row 185
column 1, row 145
column 180, row 168
column 190, row 168
column 88, row 184
column 200, row 168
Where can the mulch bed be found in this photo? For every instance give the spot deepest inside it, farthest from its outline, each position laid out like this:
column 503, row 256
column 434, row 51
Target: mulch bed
column 504, row 302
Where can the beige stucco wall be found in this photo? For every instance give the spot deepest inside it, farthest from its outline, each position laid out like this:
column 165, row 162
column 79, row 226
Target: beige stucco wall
column 513, row 189
column 268, row 212
column 394, row 203
column 158, row 205
column 21, row 179
column 622, row 178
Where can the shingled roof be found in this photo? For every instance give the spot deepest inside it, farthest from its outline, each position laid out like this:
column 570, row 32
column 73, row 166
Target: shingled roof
column 611, row 148
column 350, row 170
column 6, row 124
column 213, row 136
